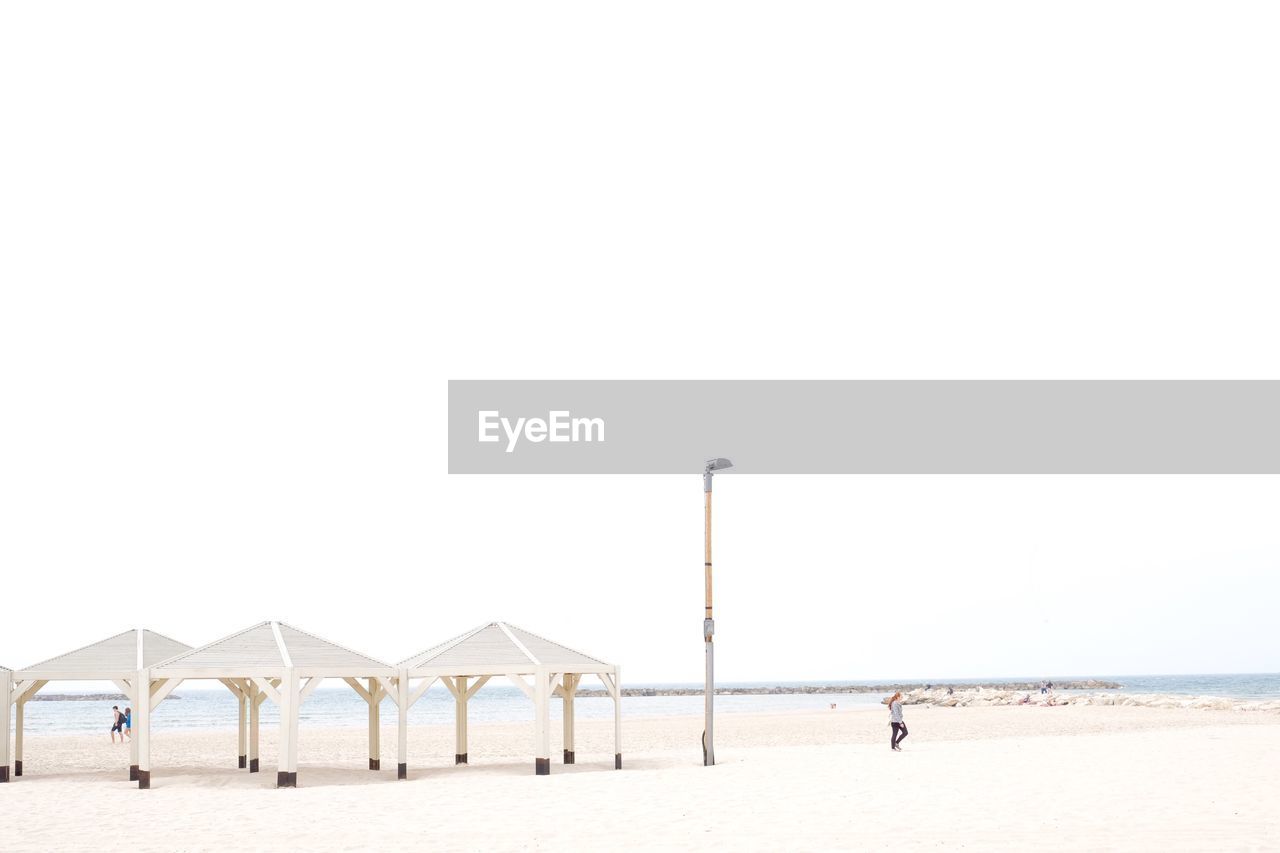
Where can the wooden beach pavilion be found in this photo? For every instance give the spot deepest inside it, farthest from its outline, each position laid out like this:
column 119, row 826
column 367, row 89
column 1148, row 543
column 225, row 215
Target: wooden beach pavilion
column 467, row 662
column 270, row 660
column 118, row 659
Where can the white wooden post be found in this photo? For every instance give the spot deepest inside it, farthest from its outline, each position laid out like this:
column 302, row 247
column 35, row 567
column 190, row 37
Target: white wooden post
column 254, row 703
column 542, row 723
column 375, row 726
column 295, row 707
column 402, row 725
column 132, row 696
column 288, row 703
column 241, row 699
column 17, row 738
column 6, row 696
column 617, row 718
column 568, row 687
column 142, row 689
column 460, row 718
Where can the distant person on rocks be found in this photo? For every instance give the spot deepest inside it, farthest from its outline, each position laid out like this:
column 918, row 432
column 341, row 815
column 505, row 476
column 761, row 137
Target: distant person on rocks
column 117, row 723
column 1044, row 687
column 895, row 721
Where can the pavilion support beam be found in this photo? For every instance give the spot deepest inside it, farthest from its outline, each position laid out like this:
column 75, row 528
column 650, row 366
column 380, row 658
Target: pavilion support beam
column 375, row 725
column 241, row 706
column 143, row 734
column 287, row 772
column 568, row 687
column 17, row 736
column 132, row 693
column 22, row 694
column 542, row 723
column 402, row 725
column 255, row 703
column 6, row 697
column 460, row 718
column 617, row 718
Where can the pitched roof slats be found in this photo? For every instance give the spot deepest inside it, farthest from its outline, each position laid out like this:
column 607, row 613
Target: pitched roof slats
column 114, row 654
column 256, row 648
column 491, row 646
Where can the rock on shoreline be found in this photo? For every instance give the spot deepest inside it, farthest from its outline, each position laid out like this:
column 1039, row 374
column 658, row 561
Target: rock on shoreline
column 84, row 697
column 981, row 697
column 803, row 689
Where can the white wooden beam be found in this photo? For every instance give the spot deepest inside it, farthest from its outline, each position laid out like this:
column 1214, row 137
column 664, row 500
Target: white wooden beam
column 542, row 723
column 143, row 734
column 161, row 689
column 402, row 724
column 460, row 695
column 518, row 681
column 255, row 704
column 268, row 688
column 375, row 726
column 415, row 693
column 357, row 687
column 312, row 683
column 617, row 718
column 6, row 709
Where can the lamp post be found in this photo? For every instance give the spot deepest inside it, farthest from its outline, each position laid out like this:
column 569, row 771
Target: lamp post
column 708, row 622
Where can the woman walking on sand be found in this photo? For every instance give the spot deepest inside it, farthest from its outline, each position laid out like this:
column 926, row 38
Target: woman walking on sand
column 895, row 721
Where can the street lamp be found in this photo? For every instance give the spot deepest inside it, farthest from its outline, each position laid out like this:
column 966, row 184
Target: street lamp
column 708, row 623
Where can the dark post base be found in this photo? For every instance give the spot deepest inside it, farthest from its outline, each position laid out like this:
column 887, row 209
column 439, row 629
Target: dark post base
column 375, row 763
column 568, row 756
column 244, row 761
column 617, row 761
column 4, row 773
column 402, row 771
column 542, row 766
column 133, row 773
column 253, row 765
column 17, row 767
column 460, row 758
column 286, row 780
column 144, row 780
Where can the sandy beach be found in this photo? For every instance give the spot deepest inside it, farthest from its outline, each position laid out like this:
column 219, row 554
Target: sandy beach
column 1102, row 778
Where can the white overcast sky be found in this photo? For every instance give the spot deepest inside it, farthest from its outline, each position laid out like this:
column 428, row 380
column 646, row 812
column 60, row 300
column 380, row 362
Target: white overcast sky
column 244, row 248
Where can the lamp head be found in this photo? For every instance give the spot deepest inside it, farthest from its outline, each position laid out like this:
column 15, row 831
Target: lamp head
column 717, row 464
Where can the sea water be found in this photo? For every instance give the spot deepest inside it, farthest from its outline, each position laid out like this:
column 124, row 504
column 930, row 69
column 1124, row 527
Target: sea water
column 202, row 705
